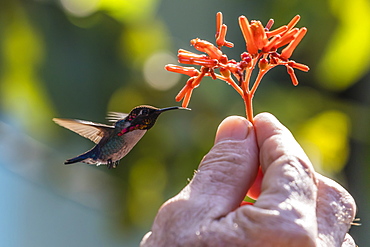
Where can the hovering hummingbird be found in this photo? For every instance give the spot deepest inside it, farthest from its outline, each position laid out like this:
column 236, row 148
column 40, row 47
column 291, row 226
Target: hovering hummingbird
column 113, row 142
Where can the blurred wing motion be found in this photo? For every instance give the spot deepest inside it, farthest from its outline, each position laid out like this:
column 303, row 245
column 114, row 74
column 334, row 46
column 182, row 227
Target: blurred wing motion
column 115, row 116
column 87, row 129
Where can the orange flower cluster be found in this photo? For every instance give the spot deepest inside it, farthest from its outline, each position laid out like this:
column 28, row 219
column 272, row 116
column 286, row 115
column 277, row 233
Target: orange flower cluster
column 261, row 51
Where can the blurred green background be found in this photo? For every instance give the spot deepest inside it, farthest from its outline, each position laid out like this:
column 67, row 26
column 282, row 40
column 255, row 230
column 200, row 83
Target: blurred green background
column 82, row 58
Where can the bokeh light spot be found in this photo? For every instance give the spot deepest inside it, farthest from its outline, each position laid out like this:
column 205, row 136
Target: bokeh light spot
column 155, row 74
column 325, row 140
column 80, row 8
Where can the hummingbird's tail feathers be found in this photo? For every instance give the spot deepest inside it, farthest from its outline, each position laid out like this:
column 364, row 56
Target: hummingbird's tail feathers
column 85, row 158
column 75, row 160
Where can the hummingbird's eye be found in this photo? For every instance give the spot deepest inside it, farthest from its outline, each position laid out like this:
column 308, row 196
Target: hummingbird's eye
column 144, row 111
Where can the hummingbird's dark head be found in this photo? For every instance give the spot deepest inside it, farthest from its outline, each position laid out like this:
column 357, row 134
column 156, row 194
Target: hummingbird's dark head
column 144, row 116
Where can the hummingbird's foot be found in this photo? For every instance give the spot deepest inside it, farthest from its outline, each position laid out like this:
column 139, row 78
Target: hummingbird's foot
column 110, row 164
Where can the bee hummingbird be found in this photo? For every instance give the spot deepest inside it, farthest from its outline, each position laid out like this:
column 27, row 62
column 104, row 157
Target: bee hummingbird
column 113, row 142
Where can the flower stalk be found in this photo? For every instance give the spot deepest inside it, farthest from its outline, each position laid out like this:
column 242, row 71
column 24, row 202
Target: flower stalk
column 262, row 53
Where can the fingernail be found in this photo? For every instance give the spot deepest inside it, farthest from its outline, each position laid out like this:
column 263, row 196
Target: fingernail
column 233, row 128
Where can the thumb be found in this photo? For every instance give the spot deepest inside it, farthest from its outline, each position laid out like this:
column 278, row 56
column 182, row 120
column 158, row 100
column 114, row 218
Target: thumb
column 229, row 169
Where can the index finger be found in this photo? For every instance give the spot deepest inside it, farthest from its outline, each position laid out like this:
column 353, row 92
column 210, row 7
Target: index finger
column 289, row 176
column 285, row 212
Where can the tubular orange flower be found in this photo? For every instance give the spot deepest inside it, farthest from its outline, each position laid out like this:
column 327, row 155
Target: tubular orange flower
column 292, row 75
column 188, row 57
column 219, row 22
column 262, row 53
column 221, row 30
column 199, row 78
column 294, row 21
column 187, row 97
column 299, row 66
column 271, row 45
column 248, row 35
column 220, row 40
column 189, row 71
column 277, row 31
column 207, row 47
column 259, row 34
column 286, row 38
column 287, row 52
column 185, row 89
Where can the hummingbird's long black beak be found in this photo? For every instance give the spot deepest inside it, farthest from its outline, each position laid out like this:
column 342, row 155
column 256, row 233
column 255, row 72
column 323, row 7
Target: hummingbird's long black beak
column 172, row 108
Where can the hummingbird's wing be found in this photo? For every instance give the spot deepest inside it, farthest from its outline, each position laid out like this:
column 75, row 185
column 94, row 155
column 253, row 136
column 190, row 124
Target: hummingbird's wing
column 115, row 116
column 87, row 129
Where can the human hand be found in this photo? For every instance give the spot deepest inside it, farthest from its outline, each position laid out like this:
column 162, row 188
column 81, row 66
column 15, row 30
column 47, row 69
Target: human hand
column 296, row 206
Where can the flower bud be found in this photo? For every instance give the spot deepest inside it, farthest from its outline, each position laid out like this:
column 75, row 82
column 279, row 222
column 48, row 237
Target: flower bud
column 263, row 64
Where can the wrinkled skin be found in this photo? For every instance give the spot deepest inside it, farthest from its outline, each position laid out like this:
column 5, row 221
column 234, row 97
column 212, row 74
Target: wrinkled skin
column 296, row 206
